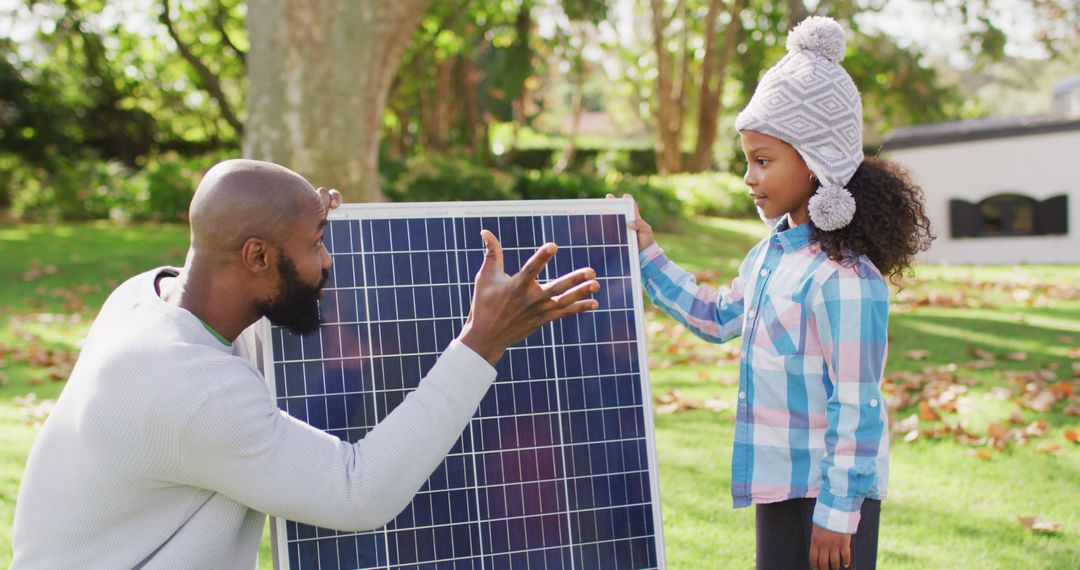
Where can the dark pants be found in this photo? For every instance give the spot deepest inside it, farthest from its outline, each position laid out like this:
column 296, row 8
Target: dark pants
column 783, row 535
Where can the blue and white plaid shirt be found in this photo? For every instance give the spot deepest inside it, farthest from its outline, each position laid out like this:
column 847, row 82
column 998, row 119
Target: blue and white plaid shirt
column 811, row 420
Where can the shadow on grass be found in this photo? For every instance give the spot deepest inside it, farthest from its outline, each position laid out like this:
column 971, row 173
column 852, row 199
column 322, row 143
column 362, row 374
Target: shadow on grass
column 956, row 332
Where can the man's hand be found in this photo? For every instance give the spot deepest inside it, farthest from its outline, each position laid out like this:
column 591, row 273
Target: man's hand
column 828, row 549
column 644, row 230
column 506, row 310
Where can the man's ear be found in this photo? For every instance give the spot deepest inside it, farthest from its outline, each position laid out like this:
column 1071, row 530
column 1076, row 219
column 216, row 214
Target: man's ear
column 257, row 256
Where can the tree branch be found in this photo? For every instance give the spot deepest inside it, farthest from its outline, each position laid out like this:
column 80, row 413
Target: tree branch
column 210, row 81
column 219, row 23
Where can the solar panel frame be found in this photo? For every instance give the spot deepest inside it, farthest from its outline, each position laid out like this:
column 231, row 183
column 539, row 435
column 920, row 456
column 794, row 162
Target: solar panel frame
column 516, row 255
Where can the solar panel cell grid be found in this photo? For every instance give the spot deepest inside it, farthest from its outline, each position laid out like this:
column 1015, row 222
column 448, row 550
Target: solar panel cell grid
column 556, row 469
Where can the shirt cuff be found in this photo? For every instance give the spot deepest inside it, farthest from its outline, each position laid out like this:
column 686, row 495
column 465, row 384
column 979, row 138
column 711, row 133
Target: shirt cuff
column 838, row 514
column 652, row 261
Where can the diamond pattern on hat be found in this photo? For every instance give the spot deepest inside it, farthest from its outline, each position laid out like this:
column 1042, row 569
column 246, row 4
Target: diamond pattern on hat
column 811, row 103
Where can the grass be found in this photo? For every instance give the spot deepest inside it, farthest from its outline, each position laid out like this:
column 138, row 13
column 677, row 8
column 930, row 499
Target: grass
column 947, row 508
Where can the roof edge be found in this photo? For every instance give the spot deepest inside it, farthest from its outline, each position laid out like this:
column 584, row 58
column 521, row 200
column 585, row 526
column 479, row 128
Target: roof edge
column 978, row 129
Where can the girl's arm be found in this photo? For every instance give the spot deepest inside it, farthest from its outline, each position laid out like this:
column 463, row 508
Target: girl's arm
column 851, row 311
column 714, row 315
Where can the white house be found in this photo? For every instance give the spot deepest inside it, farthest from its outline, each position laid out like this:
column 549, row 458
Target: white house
column 999, row 190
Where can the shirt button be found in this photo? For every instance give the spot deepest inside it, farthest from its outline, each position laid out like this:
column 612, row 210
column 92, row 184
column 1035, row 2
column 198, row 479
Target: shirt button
column 742, row 395
column 752, row 313
column 764, row 272
column 873, row 403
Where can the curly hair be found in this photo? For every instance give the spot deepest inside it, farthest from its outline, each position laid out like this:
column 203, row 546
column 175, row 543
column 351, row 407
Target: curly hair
column 890, row 224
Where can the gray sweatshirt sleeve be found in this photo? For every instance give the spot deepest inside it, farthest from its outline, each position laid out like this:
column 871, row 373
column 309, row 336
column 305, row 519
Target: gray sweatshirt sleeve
column 237, row 442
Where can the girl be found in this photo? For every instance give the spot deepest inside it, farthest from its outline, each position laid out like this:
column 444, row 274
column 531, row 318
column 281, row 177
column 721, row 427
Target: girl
column 812, row 306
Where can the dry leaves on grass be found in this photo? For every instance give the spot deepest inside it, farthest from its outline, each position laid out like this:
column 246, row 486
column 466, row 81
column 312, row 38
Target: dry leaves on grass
column 1039, row 524
column 673, row 402
column 32, row 411
column 676, row 346
column 974, row 293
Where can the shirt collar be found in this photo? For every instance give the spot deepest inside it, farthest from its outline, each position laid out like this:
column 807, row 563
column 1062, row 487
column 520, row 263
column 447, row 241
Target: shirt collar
column 791, row 239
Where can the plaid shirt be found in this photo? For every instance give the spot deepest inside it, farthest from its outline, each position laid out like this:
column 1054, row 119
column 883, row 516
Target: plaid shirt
column 811, row 419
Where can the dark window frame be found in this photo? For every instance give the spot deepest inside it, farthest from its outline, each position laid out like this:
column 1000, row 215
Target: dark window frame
column 1017, row 215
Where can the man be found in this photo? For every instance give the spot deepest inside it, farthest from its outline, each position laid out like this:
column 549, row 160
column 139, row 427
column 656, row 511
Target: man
column 165, row 448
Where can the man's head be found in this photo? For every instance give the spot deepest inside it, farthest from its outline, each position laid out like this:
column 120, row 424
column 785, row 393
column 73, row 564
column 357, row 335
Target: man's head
column 256, row 232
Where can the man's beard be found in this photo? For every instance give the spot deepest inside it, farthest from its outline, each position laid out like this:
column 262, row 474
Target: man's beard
column 296, row 307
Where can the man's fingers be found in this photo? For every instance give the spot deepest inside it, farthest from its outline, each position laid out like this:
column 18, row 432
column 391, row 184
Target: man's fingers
column 814, row 557
column 536, row 263
column 331, row 198
column 575, row 308
column 564, row 283
column 493, row 254
column 845, row 555
column 834, row 559
column 577, row 293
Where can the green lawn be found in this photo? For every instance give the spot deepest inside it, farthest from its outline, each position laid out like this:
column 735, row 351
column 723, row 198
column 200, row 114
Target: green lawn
column 948, row 507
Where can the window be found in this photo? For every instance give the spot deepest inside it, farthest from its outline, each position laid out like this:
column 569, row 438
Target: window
column 1009, row 214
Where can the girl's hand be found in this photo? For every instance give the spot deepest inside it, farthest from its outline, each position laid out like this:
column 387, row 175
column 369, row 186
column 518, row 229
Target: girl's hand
column 644, row 230
column 828, row 549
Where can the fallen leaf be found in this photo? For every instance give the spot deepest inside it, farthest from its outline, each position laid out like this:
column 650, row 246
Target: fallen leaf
column 979, row 353
column 999, row 393
column 716, row 404
column 1039, row 524
column 908, row 424
column 917, row 354
column 1036, row 429
column 995, row 431
column 984, row 454
column 1062, row 389
column 1019, row 356
column 1072, row 435
column 1049, row 447
column 911, row 436
column 927, row 413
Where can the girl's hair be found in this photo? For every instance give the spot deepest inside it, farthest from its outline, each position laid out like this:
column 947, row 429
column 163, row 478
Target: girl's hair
column 890, row 225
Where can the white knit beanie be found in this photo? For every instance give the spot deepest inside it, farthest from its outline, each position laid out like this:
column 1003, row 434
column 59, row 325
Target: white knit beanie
column 808, row 101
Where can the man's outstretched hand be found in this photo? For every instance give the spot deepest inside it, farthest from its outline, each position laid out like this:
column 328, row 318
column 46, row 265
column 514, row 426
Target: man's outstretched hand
column 506, row 310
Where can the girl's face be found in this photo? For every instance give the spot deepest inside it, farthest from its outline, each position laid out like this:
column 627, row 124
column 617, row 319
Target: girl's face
column 778, row 178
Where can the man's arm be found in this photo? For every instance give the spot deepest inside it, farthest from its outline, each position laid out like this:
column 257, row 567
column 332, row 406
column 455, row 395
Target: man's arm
column 238, row 443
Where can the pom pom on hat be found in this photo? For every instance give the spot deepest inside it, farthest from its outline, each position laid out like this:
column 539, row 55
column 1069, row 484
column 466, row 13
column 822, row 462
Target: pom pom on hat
column 818, row 35
column 832, row 208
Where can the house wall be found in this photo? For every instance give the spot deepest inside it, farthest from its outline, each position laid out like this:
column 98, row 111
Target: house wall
column 1040, row 166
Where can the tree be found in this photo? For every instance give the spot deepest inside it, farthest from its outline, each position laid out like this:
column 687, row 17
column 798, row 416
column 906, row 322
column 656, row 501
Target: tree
column 319, row 74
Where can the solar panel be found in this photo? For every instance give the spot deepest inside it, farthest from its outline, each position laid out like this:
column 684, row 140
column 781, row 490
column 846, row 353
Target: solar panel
column 557, row 468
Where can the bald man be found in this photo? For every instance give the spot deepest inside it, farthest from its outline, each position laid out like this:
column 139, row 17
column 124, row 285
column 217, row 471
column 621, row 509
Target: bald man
column 165, row 449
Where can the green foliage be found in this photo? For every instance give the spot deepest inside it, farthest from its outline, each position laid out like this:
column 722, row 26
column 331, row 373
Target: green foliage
column 85, row 188
column 709, row 194
column 438, row 178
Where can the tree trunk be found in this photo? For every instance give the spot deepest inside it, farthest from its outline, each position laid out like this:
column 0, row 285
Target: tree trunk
column 319, row 73
column 714, row 69
column 577, row 104
column 668, row 102
column 797, row 12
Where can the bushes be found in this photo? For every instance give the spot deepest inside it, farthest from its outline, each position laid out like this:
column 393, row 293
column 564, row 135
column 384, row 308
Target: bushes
column 84, row 188
column 709, row 193
column 439, row 178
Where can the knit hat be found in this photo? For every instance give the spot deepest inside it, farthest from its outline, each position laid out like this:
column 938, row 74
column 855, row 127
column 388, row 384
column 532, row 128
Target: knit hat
column 808, row 101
